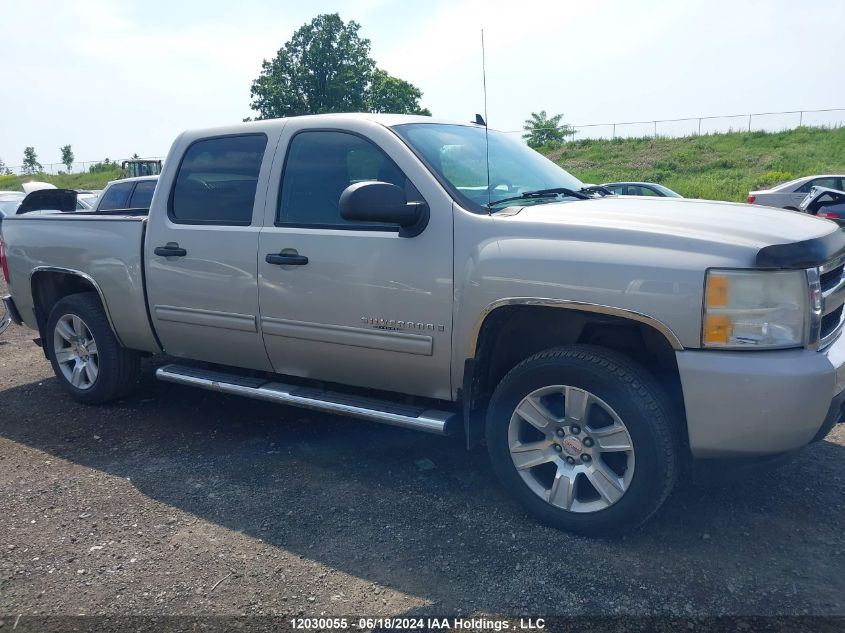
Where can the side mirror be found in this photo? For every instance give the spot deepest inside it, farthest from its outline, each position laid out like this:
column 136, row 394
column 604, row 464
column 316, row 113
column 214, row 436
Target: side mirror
column 375, row 201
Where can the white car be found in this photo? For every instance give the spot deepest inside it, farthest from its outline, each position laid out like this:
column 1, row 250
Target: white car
column 790, row 194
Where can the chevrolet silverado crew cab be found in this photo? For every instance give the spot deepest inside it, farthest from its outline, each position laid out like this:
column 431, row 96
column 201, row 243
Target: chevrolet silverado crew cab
column 373, row 266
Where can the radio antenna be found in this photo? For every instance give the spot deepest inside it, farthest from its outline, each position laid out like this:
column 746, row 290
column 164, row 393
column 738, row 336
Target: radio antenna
column 486, row 120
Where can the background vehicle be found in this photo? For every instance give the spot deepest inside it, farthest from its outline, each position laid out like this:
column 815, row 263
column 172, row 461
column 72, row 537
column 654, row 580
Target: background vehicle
column 641, row 189
column 790, row 194
column 825, row 203
column 361, row 264
column 9, row 202
column 128, row 193
column 136, row 167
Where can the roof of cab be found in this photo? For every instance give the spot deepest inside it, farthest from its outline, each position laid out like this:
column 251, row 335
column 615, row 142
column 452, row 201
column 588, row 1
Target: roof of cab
column 387, row 120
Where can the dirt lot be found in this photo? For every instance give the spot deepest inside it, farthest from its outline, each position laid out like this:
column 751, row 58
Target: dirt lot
column 178, row 501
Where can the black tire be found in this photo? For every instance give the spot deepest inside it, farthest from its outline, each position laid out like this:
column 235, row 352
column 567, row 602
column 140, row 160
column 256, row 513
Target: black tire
column 118, row 367
column 639, row 402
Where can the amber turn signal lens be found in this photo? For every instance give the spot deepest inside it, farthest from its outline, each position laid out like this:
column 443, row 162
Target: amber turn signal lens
column 717, row 329
column 717, row 291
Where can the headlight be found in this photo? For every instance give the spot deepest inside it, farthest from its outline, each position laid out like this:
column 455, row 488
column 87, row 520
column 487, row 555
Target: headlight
column 754, row 308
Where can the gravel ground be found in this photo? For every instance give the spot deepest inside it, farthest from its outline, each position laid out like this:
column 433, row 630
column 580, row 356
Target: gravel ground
column 179, row 501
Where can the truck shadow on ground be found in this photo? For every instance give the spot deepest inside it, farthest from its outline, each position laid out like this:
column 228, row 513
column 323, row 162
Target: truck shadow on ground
column 361, row 498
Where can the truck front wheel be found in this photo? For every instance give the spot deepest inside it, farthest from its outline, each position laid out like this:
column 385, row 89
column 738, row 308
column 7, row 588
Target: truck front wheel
column 583, row 438
column 87, row 358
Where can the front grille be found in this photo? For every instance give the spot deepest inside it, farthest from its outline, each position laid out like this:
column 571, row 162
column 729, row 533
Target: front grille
column 831, row 278
column 832, row 282
column 831, row 322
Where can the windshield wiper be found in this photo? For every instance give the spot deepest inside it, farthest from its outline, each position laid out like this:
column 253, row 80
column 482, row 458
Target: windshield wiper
column 604, row 191
column 544, row 193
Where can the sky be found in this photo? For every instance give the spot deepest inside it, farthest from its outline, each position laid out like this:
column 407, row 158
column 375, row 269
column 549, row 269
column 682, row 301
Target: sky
column 117, row 77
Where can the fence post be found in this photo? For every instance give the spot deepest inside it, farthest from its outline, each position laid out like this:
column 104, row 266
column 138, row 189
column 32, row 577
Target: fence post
column 614, row 130
column 655, row 129
column 749, row 122
column 801, row 118
column 699, row 126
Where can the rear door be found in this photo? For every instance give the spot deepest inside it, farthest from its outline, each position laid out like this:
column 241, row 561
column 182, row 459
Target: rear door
column 361, row 306
column 201, row 247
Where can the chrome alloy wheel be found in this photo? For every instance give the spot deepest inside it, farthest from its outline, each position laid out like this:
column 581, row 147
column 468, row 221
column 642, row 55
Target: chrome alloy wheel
column 76, row 351
column 571, row 449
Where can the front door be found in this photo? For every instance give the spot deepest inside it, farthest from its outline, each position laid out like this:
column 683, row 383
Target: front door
column 201, row 251
column 355, row 303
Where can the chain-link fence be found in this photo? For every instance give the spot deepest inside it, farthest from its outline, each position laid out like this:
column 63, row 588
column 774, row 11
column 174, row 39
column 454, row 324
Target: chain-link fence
column 691, row 126
column 75, row 167
column 672, row 128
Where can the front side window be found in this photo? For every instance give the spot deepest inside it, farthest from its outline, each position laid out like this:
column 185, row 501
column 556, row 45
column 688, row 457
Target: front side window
column 320, row 165
column 829, row 183
column 458, row 155
column 115, row 197
column 217, row 181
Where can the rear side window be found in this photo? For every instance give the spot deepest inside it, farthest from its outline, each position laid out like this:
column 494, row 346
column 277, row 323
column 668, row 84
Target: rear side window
column 320, row 165
column 830, row 183
column 217, row 180
column 115, row 197
column 143, row 195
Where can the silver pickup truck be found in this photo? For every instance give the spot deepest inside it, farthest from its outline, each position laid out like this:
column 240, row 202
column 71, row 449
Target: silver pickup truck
column 374, row 266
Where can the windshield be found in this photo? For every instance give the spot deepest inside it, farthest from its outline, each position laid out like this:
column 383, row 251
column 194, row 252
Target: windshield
column 8, row 207
column 458, row 156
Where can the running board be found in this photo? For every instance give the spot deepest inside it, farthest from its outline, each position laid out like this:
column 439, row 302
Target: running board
column 377, row 410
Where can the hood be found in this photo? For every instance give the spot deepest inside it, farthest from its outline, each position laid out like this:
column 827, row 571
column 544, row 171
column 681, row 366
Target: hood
column 29, row 187
column 699, row 226
column 63, row 200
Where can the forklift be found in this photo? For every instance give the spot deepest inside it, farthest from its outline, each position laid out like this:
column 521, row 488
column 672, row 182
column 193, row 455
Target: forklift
column 141, row 167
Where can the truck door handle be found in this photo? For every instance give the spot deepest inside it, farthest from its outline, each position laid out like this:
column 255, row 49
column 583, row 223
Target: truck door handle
column 171, row 249
column 286, row 260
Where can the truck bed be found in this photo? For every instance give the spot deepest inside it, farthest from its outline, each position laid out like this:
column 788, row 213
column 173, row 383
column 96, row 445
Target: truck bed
column 107, row 249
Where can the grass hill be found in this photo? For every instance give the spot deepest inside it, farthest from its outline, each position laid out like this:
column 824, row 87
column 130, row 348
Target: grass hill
column 83, row 180
column 715, row 166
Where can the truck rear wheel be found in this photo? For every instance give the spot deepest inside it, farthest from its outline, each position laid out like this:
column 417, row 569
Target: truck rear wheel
column 583, row 438
column 87, row 358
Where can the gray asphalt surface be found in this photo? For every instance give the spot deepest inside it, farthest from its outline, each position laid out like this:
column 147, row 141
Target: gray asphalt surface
column 178, row 501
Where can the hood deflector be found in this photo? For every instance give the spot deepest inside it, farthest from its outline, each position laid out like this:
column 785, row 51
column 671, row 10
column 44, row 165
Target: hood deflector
column 804, row 254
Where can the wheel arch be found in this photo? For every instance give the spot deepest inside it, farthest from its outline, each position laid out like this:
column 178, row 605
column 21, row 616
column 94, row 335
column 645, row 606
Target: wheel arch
column 543, row 323
column 50, row 284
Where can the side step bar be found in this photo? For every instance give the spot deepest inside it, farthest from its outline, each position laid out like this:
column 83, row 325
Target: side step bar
column 385, row 411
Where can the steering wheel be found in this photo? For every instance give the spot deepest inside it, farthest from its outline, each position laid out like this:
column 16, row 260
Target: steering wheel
column 494, row 185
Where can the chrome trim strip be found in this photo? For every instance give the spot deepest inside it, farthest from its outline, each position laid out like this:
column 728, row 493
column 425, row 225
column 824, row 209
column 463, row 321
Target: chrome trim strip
column 828, row 340
column 206, row 318
column 814, row 323
column 596, row 308
column 833, row 263
column 430, row 421
column 86, row 277
column 834, row 297
column 387, row 340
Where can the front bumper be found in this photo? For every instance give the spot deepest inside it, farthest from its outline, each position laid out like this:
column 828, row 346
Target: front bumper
column 10, row 314
column 744, row 403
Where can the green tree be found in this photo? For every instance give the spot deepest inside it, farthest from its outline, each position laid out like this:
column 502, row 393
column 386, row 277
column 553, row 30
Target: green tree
column 67, row 157
column 4, row 170
column 326, row 67
column 387, row 93
column 30, row 161
column 542, row 130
